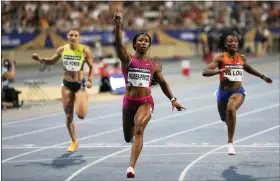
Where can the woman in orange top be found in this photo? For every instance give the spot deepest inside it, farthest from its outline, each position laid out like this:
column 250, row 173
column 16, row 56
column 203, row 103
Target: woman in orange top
column 231, row 94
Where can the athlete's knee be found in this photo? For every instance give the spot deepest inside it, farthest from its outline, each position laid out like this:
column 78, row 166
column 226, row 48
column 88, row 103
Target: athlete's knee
column 81, row 116
column 81, row 113
column 128, row 134
column 231, row 109
column 223, row 118
column 69, row 118
column 139, row 129
column 127, row 138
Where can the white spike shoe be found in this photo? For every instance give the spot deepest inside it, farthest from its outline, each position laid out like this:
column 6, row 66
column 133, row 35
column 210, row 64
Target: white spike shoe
column 130, row 172
column 231, row 150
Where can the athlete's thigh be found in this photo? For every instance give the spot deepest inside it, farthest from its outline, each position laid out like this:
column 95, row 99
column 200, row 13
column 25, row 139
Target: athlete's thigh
column 235, row 101
column 81, row 101
column 222, row 107
column 127, row 119
column 67, row 100
column 143, row 115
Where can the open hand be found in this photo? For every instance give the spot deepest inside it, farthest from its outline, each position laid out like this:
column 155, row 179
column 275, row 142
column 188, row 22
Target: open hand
column 267, row 79
column 178, row 106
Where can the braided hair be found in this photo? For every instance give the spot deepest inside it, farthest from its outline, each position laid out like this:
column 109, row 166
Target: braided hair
column 154, row 81
column 222, row 41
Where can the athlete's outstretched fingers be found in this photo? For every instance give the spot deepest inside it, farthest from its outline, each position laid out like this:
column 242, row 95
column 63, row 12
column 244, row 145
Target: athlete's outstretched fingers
column 81, row 103
column 268, row 80
column 178, row 106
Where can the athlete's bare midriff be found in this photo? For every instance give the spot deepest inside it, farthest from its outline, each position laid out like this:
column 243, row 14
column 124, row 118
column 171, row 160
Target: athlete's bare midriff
column 230, row 85
column 73, row 76
column 137, row 92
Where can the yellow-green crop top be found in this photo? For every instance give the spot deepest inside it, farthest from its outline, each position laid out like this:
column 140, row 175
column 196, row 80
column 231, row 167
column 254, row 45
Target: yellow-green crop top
column 73, row 60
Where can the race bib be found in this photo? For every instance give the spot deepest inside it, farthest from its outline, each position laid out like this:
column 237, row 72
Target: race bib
column 139, row 77
column 72, row 63
column 235, row 73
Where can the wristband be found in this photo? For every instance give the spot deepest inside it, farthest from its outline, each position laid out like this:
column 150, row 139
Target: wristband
column 173, row 99
column 262, row 76
column 89, row 80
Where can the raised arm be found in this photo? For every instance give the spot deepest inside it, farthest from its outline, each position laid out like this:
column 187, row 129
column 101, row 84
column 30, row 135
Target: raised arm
column 211, row 68
column 254, row 72
column 52, row 60
column 122, row 53
column 89, row 61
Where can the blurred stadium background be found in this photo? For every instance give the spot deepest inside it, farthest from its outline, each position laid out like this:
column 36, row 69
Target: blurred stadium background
column 180, row 30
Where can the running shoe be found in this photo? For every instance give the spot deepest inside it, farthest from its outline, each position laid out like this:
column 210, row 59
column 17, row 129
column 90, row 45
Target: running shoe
column 231, row 150
column 130, row 172
column 72, row 147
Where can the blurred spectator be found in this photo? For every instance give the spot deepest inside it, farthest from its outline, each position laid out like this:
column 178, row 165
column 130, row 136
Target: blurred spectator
column 264, row 34
column 7, row 70
column 9, row 96
column 104, row 78
column 116, row 68
column 98, row 50
column 37, row 15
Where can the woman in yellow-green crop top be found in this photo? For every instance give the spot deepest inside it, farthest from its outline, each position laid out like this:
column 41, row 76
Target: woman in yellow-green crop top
column 73, row 90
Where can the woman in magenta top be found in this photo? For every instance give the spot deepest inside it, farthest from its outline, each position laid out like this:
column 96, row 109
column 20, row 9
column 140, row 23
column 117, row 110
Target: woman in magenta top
column 139, row 73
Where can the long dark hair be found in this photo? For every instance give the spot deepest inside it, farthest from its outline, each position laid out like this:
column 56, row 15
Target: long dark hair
column 222, row 41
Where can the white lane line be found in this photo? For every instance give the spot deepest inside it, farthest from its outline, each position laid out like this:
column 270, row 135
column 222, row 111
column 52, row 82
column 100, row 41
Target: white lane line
column 86, row 121
column 118, row 129
column 108, row 132
column 59, row 144
column 96, row 118
column 89, row 120
column 163, row 138
column 59, row 126
column 12, row 147
column 189, row 166
column 144, row 155
column 44, row 116
column 116, row 114
column 61, row 113
column 94, row 107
